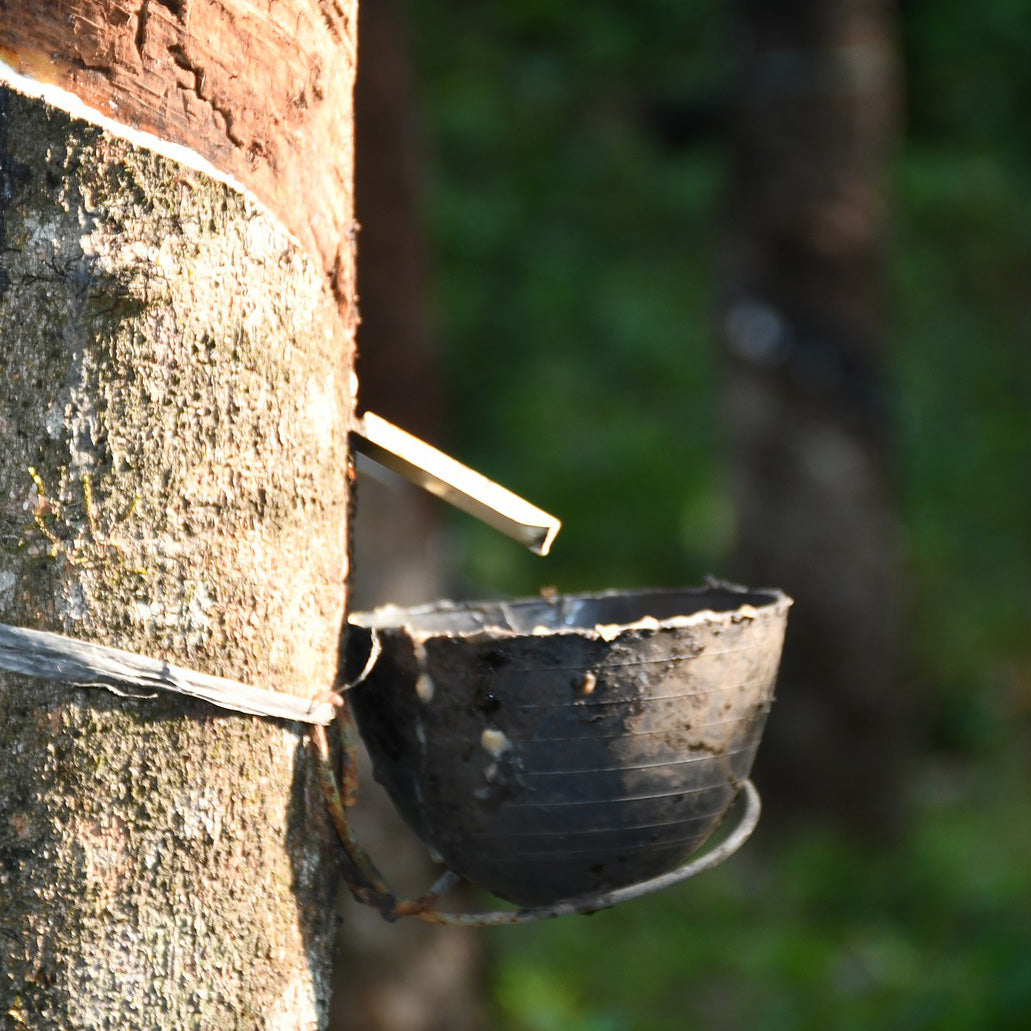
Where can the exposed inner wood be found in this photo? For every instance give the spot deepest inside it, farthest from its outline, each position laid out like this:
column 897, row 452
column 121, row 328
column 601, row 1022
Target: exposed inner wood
column 261, row 90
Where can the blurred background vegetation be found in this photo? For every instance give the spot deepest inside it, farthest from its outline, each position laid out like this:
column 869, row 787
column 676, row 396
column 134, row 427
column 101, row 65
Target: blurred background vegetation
column 573, row 256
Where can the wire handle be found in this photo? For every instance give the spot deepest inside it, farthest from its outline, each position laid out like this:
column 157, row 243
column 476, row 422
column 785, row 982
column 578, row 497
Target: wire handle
column 369, row 886
column 592, row 903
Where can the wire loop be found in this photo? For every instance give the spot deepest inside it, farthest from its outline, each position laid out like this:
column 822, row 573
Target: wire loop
column 369, row 886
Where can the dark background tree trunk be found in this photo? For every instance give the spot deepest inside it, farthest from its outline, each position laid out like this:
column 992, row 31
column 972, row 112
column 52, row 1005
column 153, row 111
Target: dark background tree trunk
column 397, row 523
column 803, row 322
column 406, row 976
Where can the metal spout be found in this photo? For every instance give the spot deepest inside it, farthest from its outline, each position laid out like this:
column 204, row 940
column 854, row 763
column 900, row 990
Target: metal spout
column 423, row 464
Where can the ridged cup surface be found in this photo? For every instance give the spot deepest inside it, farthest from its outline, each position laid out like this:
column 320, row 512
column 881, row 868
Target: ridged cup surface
column 548, row 748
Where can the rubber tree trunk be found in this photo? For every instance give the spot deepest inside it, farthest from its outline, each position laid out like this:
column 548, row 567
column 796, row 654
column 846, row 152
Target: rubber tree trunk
column 803, row 321
column 174, row 400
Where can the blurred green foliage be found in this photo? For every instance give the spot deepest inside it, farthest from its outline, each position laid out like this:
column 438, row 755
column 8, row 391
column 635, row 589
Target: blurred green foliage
column 575, row 259
column 572, row 282
column 806, row 935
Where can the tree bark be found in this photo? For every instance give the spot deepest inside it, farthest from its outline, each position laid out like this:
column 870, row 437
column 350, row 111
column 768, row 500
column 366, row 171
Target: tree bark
column 261, row 91
column 804, row 331
column 174, row 403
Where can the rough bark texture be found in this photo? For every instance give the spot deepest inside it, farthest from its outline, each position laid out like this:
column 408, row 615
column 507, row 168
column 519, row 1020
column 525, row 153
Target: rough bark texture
column 262, row 90
column 174, row 399
column 407, row 976
column 803, row 323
